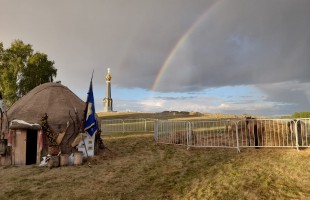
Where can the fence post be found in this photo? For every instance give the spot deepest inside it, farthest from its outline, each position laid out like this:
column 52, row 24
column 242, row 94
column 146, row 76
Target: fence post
column 189, row 135
column 123, row 126
column 156, row 130
column 144, row 125
column 296, row 134
column 299, row 134
column 237, row 136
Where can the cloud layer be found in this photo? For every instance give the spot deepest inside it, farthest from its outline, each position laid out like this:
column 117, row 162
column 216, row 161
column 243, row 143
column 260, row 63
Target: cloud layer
column 174, row 46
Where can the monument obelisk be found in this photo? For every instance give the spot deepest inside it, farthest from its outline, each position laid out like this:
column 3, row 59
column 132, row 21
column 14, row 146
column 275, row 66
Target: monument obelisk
column 107, row 101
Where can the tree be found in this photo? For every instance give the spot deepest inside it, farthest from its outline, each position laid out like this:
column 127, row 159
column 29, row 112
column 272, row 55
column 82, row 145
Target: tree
column 304, row 114
column 38, row 71
column 21, row 70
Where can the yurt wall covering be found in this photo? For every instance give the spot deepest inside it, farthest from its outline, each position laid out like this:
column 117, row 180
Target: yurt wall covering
column 51, row 107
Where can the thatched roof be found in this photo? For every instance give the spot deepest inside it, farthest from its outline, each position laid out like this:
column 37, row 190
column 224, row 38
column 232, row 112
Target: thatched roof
column 52, row 98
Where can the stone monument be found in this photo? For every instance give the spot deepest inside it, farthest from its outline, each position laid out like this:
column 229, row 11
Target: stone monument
column 107, row 101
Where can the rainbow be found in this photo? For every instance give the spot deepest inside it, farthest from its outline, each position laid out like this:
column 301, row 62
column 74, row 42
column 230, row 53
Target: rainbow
column 181, row 42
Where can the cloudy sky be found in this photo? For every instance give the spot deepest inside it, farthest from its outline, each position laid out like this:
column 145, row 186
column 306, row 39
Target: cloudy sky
column 216, row 56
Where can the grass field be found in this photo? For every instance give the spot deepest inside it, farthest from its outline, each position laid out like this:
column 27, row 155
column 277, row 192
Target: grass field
column 138, row 168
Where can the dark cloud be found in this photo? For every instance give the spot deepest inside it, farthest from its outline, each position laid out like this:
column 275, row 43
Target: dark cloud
column 244, row 42
column 202, row 43
column 235, row 42
column 294, row 95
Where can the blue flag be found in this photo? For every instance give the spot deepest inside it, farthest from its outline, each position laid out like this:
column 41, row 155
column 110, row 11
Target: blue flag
column 90, row 125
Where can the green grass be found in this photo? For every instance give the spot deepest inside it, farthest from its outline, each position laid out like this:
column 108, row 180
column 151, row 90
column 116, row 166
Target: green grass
column 138, row 168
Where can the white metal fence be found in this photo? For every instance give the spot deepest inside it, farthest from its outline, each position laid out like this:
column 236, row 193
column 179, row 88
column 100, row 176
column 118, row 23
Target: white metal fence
column 235, row 133
column 127, row 125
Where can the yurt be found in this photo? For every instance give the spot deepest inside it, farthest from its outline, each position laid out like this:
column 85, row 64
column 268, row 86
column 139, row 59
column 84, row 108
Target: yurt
column 47, row 120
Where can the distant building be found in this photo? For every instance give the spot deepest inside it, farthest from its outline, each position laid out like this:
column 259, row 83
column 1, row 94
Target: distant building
column 107, row 101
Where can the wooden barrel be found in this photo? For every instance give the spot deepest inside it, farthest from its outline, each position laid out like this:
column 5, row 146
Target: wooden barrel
column 53, row 162
column 64, row 159
column 53, row 150
column 78, row 158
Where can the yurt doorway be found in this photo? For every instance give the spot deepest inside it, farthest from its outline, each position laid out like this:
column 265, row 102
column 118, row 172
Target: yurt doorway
column 31, row 147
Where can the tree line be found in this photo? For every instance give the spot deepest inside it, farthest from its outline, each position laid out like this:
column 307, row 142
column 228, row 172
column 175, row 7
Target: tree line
column 21, row 70
column 305, row 114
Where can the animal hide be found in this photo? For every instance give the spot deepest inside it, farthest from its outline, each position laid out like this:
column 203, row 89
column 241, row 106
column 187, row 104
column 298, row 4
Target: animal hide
column 62, row 134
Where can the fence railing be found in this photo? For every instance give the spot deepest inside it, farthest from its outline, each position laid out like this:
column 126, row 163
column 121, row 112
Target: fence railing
column 235, row 133
column 127, row 125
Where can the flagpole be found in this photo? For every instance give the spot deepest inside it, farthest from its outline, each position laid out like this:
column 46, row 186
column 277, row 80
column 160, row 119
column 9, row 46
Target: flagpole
column 90, row 85
column 92, row 76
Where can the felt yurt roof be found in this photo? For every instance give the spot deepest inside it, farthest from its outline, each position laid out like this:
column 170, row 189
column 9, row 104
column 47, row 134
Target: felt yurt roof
column 52, row 98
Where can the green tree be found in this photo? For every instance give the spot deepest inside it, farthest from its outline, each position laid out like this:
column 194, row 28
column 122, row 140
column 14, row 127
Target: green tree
column 304, row 114
column 21, row 70
column 39, row 70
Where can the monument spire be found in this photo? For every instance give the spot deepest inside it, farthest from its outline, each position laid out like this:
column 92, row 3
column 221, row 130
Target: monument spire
column 107, row 101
